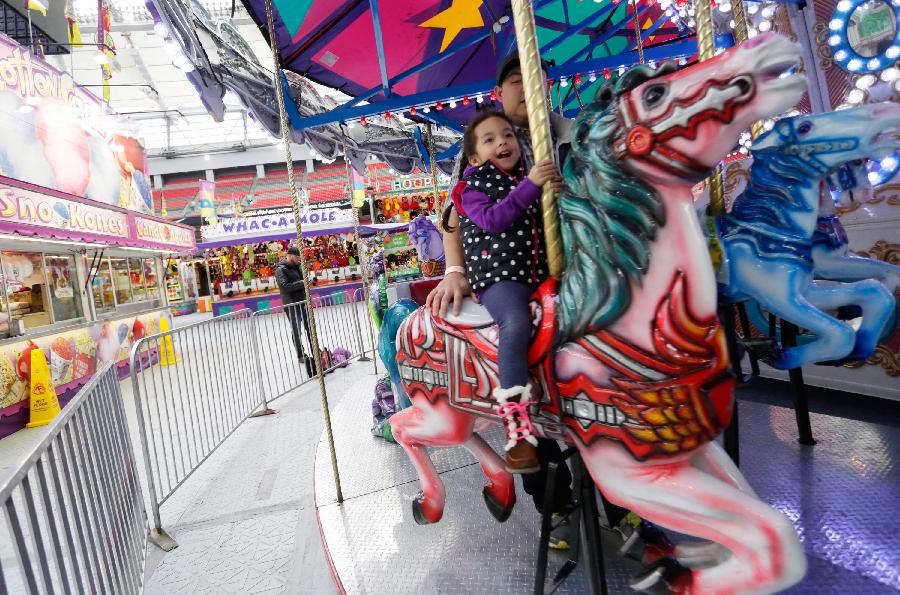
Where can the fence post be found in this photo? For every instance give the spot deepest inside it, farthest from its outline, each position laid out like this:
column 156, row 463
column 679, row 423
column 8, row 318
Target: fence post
column 157, row 534
column 362, row 348
column 264, row 405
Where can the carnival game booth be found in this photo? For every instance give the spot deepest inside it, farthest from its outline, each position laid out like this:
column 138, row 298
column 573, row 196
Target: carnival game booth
column 81, row 280
column 409, row 196
column 241, row 255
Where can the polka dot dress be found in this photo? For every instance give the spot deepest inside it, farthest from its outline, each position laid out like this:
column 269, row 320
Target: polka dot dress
column 516, row 254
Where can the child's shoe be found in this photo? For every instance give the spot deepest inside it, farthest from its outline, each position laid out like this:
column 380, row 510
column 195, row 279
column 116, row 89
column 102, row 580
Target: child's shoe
column 521, row 456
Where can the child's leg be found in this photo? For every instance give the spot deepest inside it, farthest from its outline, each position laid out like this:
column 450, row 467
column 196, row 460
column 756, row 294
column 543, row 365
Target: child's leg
column 507, row 302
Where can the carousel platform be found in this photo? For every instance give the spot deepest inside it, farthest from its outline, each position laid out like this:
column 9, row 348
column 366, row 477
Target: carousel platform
column 841, row 495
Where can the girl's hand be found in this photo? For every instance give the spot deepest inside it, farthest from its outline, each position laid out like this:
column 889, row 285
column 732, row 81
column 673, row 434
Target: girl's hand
column 543, row 172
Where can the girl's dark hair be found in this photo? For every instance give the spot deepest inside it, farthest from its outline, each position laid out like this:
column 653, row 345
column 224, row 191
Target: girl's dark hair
column 468, row 149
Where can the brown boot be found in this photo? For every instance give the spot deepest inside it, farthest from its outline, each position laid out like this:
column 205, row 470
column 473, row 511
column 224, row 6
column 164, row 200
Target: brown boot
column 521, row 456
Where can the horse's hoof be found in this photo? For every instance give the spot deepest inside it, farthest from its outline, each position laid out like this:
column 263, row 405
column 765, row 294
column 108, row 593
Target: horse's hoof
column 497, row 510
column 666, row 576
column 419, row 513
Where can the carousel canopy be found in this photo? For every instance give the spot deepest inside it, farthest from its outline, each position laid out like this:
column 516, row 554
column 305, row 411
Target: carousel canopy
column 413, row 53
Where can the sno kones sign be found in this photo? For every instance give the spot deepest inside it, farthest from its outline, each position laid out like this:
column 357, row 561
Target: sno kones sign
column 272, row 225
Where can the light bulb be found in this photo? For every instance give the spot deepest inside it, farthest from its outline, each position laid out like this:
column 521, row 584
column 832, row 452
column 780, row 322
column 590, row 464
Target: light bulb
column 834, row 40
column 890, row 74
column 768, row 12
column 844, row 5
column 426, row 109
column 840, row 55
column 452, row 104
column 563, row 82
column 892, row 52
column 873, row 64
column 853, row 64
column 753, row 9
column 765, row 26
column 856, row 96
column 835, row 24
column 480, row 98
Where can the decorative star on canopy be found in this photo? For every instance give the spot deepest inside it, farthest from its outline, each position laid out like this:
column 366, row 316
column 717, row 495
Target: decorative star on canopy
column 462, row 14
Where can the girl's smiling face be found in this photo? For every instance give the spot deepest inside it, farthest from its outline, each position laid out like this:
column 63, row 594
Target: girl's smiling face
column 496, row 140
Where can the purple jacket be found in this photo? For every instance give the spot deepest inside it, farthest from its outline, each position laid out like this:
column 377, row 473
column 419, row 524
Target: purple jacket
column 496, row 217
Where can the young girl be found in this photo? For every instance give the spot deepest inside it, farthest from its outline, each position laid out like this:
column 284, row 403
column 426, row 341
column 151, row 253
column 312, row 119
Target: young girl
column 503, row 243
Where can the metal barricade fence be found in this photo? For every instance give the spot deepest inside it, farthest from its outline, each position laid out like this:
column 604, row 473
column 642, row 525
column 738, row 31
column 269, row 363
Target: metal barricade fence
column 73, row 510
column 338, row 326
column 193, row 386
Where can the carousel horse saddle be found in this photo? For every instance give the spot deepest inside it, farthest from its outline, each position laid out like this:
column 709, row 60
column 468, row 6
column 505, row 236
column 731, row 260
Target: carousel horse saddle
column 475, row 325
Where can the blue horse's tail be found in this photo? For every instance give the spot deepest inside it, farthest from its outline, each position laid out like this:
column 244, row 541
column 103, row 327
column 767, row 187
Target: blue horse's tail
column 387, row 349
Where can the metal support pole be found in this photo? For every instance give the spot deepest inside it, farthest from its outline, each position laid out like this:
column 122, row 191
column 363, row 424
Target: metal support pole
column 589, row 518
column 429, row 143
column 637, row 31
column 745, row 330
column 538, row 124
column 540, row 573
column 798, row 388
column 731, row 435
column 288, row 160
column 362, row 265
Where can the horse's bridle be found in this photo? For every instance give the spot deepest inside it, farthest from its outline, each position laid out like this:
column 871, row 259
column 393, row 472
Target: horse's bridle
column 646, row 140
column 807, row 150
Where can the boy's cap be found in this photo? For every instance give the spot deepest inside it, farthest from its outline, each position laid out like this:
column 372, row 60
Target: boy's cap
column 294, row 250
column 512, row 61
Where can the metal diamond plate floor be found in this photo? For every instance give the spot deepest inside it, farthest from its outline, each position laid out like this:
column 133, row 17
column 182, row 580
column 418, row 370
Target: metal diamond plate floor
column 842, row 495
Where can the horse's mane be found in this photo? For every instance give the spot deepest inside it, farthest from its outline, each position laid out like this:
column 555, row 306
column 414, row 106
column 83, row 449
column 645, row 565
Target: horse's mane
column 774, row 189
column 609, row 217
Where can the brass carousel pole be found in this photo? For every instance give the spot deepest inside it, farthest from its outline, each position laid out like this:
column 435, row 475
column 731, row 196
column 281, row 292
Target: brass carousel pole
column 740, row 36
column 538, row 124
column 705, row 51
column 289, row 162
column 429, row 144
column 361, row 255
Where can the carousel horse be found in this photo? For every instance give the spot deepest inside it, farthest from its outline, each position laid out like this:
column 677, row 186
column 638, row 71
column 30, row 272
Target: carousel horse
column 831, row 255
column 628, row 361
column 427, row 240
column 768, row 236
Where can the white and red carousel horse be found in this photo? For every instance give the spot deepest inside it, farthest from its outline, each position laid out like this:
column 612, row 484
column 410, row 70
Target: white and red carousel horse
column 628, row 361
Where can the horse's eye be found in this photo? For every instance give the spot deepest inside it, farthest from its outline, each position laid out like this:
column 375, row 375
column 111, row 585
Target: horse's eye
column 804, row 127
column 654, row 94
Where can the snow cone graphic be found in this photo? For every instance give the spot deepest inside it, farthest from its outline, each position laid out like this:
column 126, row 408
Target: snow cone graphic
column 85, row 354
column 62, row 356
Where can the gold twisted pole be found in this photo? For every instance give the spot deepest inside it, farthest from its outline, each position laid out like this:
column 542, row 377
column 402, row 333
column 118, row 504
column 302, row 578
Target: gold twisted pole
column 705, row 51
column 361, row 255
column 289, row 162
column 538, row 124
column 429, row 144
column 740, row 36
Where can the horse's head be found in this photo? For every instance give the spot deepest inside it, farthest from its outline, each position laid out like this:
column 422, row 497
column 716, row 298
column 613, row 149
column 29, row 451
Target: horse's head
column 673, row 126
column 822, row 142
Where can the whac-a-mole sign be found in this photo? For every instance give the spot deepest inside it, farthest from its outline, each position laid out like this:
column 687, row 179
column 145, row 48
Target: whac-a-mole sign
column 278, row 223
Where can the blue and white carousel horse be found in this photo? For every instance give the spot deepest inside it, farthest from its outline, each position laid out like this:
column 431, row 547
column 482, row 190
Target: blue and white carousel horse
column 767, row 238
column 831, row 255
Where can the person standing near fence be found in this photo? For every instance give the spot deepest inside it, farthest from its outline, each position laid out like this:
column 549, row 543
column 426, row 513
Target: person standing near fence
column 289, row 276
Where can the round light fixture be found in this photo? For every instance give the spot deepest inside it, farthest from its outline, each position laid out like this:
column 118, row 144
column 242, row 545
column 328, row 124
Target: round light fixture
column 865, row 35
